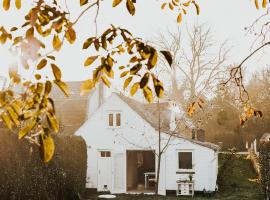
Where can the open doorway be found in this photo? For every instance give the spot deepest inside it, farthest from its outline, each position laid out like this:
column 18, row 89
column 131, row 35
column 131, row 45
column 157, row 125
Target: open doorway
column 141, row 171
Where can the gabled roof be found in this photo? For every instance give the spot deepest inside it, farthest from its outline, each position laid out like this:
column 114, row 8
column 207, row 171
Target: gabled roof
column 149, row 112
column 71, row 111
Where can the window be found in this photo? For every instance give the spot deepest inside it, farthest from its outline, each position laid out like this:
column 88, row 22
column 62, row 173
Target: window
column 110, row 119
column 105, row 154
column 114, row 119
column 118, row 119
column 184, row 160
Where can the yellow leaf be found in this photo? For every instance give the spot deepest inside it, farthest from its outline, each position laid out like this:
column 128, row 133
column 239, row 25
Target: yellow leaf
column 18, row 4
column 83, row 2
column 57, row 43
column 71, row 35
column 256, row 4
column 123, row 74
column 23, row 132
column 7, row 120
column 134, row 88
column 197, row 8
column 130, row 7
column 171, row 6
column 56, row 72
column 179, row 18
column 6, row 4
column 52, row 122
column 90, row 60
column 186, row 4
column 42, row 64
column 46, row 147
column 116, row 3
column 30, row 32
column 63, row 86
column 86, row 86
column 127, row 82
column 264, row 2
column 147, row 92
column 163, row 5
column 106, row 81
column 38, row 76
column 48, row 87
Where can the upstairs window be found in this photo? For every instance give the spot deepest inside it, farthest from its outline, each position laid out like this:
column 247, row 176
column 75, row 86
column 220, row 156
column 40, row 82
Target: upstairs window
column 185, row 160
column 110, row 119
column 118, row 119
column 114, row 119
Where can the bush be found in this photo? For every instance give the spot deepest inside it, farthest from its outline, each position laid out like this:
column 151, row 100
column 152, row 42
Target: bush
column 264, row 159
column 23, row 175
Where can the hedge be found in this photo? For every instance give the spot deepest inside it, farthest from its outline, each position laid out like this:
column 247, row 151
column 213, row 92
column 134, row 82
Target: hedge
column 23, row 175
column 264, row 159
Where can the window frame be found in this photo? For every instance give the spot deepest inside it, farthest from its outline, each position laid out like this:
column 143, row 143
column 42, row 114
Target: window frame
column 114, row 113
column 192, row 160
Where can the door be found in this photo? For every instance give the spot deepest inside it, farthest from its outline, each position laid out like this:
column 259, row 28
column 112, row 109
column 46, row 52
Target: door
column 104, row 171
column 119, row 173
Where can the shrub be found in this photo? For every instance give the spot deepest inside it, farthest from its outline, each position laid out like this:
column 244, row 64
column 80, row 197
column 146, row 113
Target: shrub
column 264, row 159
column 23, row 175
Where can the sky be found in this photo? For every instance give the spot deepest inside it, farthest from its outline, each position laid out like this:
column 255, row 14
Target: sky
column 227, row 19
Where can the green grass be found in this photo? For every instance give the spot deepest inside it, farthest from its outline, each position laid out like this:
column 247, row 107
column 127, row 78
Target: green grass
column 235, row 185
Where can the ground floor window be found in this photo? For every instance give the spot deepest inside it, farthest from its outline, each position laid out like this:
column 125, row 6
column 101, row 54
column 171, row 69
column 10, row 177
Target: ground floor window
column 185, row 160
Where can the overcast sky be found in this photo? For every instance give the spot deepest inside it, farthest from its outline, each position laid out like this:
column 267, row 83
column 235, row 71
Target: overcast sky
column 227, row 19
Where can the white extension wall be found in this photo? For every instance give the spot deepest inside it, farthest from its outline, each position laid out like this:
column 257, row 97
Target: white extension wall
column 136, row 134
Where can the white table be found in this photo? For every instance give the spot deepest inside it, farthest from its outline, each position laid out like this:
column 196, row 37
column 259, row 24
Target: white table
column 146, row 178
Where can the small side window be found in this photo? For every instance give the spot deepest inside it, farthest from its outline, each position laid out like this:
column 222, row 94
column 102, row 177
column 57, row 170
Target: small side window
column 118, row 119
column 105, row 154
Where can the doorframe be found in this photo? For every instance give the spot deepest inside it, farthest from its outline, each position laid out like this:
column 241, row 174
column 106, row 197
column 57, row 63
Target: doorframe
column 143, row 150
column 124, row 172
column 111, row 159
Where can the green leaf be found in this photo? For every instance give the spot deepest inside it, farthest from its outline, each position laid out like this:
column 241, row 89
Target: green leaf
column 56, row 72
column 90, row 60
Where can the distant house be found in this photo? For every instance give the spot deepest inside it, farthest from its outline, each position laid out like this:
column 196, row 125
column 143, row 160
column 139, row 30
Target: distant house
column 265, row 137
column 122, row 139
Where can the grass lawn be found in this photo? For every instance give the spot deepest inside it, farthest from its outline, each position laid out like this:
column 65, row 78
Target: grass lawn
column 235, row 185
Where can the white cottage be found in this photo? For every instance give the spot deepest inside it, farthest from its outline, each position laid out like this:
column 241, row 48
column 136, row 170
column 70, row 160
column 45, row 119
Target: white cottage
column 122, row 139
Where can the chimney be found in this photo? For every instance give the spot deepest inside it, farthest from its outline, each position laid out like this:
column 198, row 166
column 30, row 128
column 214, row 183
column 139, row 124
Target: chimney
column 193, row 134
column 96, row 99
column 201, row 135
column 173, row 122
column 100, row 94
